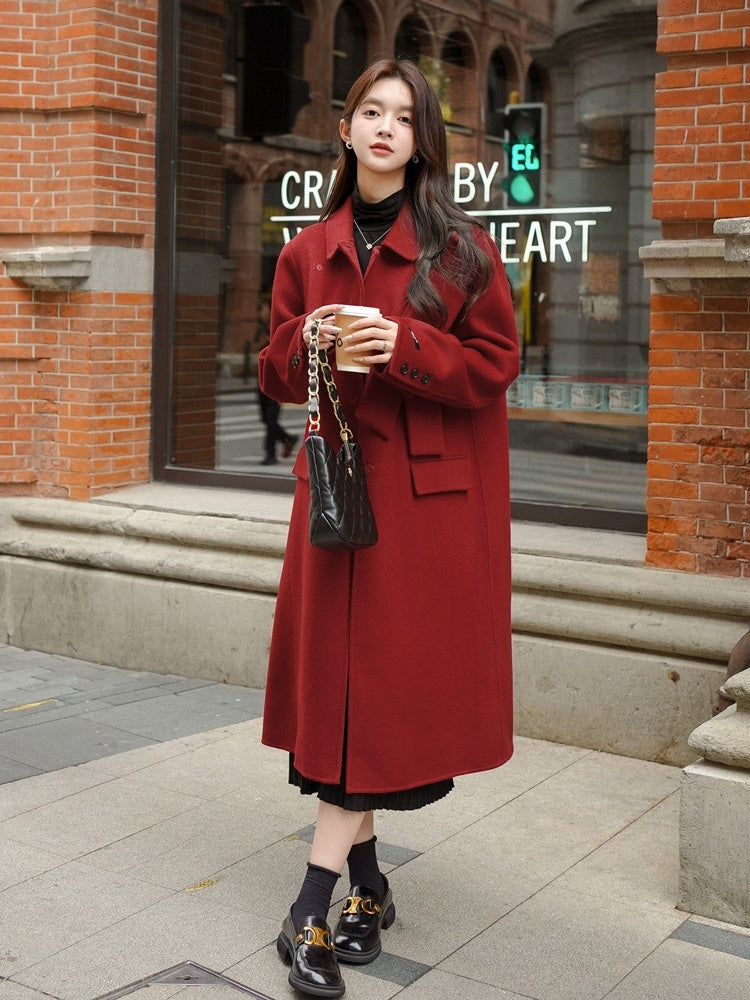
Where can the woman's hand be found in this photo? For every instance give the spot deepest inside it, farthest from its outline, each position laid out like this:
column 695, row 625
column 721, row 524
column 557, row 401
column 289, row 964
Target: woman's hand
column 327, row 330
column 371, row 340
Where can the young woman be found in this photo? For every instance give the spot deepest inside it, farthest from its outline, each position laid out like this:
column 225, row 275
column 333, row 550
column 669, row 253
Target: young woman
column 390, row 667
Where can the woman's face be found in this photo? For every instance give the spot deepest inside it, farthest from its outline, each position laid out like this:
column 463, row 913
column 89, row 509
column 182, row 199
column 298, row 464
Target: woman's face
column 381, row 132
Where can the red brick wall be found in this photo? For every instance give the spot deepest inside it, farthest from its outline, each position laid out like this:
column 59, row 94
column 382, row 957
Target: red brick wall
column 702, row 141
column 699, row 434
column 77, row 114
column 699, row 424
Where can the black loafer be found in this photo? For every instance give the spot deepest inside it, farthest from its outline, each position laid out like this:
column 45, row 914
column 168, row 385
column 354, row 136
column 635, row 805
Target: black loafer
column 357, row 935
column 310, row 953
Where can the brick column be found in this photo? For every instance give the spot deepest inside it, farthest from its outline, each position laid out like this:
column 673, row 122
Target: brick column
column 699, row 429
column 76, row 222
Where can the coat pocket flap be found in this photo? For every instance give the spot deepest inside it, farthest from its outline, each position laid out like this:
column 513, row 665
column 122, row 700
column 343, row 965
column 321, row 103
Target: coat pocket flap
column 440, row 475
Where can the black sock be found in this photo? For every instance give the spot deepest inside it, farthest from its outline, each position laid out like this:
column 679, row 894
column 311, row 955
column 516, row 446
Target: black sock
column 363, row 867
column 314, row 898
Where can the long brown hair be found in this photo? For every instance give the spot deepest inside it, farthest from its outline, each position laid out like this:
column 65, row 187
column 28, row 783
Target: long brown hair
column 437, row 218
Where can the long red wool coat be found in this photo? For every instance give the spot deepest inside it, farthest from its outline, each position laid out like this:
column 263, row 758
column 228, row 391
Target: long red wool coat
column 406, row 644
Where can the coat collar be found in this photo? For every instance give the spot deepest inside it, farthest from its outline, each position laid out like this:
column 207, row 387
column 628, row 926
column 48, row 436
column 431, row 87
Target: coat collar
column 339, row 233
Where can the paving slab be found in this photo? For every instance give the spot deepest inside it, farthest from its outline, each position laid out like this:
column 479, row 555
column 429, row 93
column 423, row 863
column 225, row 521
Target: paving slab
column 14, row 770
column 638, row 865
column 589, row 945
column 174, row 854
column 22, row 862
column 168, row 717
column 680, row 971
column 15, row 991
column 76, row 900
column 57, row 711
column 444, row 984
column 479, row 795
column 49, row 746
column 19, row 797
column 181, row 927
column 75, row 825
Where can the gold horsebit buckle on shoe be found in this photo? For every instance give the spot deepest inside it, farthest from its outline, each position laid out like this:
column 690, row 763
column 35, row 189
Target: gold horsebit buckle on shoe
column 365, row 903
column 318, row 936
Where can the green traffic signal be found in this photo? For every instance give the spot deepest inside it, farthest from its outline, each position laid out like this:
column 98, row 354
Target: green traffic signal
column 521, row 191
column 524, row 125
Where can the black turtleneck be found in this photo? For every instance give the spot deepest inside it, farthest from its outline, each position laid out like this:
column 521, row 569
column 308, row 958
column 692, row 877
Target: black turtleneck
column 375, row 222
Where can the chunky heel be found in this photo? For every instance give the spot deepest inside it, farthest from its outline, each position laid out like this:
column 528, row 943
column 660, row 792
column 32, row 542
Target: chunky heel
column 282, row 947
column 389, row 917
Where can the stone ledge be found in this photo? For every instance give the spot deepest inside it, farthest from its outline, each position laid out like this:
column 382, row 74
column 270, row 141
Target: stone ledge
column 218, row 551
column 562, row 596
column 736, row 234
column 562, row 541
column 86, row 268
column 49, row 268
column 678, row 266
column 209, row 500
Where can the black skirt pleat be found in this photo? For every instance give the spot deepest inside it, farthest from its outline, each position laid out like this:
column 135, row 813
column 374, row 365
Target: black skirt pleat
column 409, row 798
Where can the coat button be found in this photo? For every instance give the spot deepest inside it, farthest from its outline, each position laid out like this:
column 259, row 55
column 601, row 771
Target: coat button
column 426, row 378
column 295, row 361
column 414, row 373
column 369, row 469
column 404, row 369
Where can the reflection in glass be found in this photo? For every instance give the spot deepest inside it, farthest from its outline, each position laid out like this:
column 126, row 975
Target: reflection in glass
column 349, row 48
column 497, row 93
column 408, row 43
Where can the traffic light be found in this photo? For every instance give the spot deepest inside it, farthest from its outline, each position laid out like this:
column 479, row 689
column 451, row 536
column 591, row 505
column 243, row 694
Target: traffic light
column 274, row 87
column 524, row 137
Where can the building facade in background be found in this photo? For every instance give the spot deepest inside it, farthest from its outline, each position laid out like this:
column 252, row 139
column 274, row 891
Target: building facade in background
column 157, row 155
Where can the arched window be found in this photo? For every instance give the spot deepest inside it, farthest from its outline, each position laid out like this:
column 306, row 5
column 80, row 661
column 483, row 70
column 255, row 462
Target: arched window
column 460, row 108
column 408, row 42
column 349, row 48
column 454, row 50
column 497, row 93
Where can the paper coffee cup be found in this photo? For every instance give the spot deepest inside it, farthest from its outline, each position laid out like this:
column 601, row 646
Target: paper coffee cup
column 344, row 316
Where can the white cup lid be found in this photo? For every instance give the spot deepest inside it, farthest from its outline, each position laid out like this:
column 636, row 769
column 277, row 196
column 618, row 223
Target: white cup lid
column 359, row 311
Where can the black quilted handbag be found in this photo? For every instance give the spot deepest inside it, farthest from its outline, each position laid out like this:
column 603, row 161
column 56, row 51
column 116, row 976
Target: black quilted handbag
column 341, row 516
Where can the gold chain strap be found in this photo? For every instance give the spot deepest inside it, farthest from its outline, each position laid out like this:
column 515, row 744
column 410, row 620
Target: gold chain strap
column 318, row 360
column 313, row 399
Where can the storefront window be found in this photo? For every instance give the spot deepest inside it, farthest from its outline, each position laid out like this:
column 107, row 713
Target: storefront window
column 554, row 159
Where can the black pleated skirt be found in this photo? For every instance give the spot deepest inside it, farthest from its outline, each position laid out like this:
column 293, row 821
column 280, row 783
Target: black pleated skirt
column 410, row 798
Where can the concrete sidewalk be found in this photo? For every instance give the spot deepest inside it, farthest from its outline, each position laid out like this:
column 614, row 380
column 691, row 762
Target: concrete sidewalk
column 150, row 848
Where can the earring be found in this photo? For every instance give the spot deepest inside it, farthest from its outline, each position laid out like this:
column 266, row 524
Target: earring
column 348, row 144
column 415, row 159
